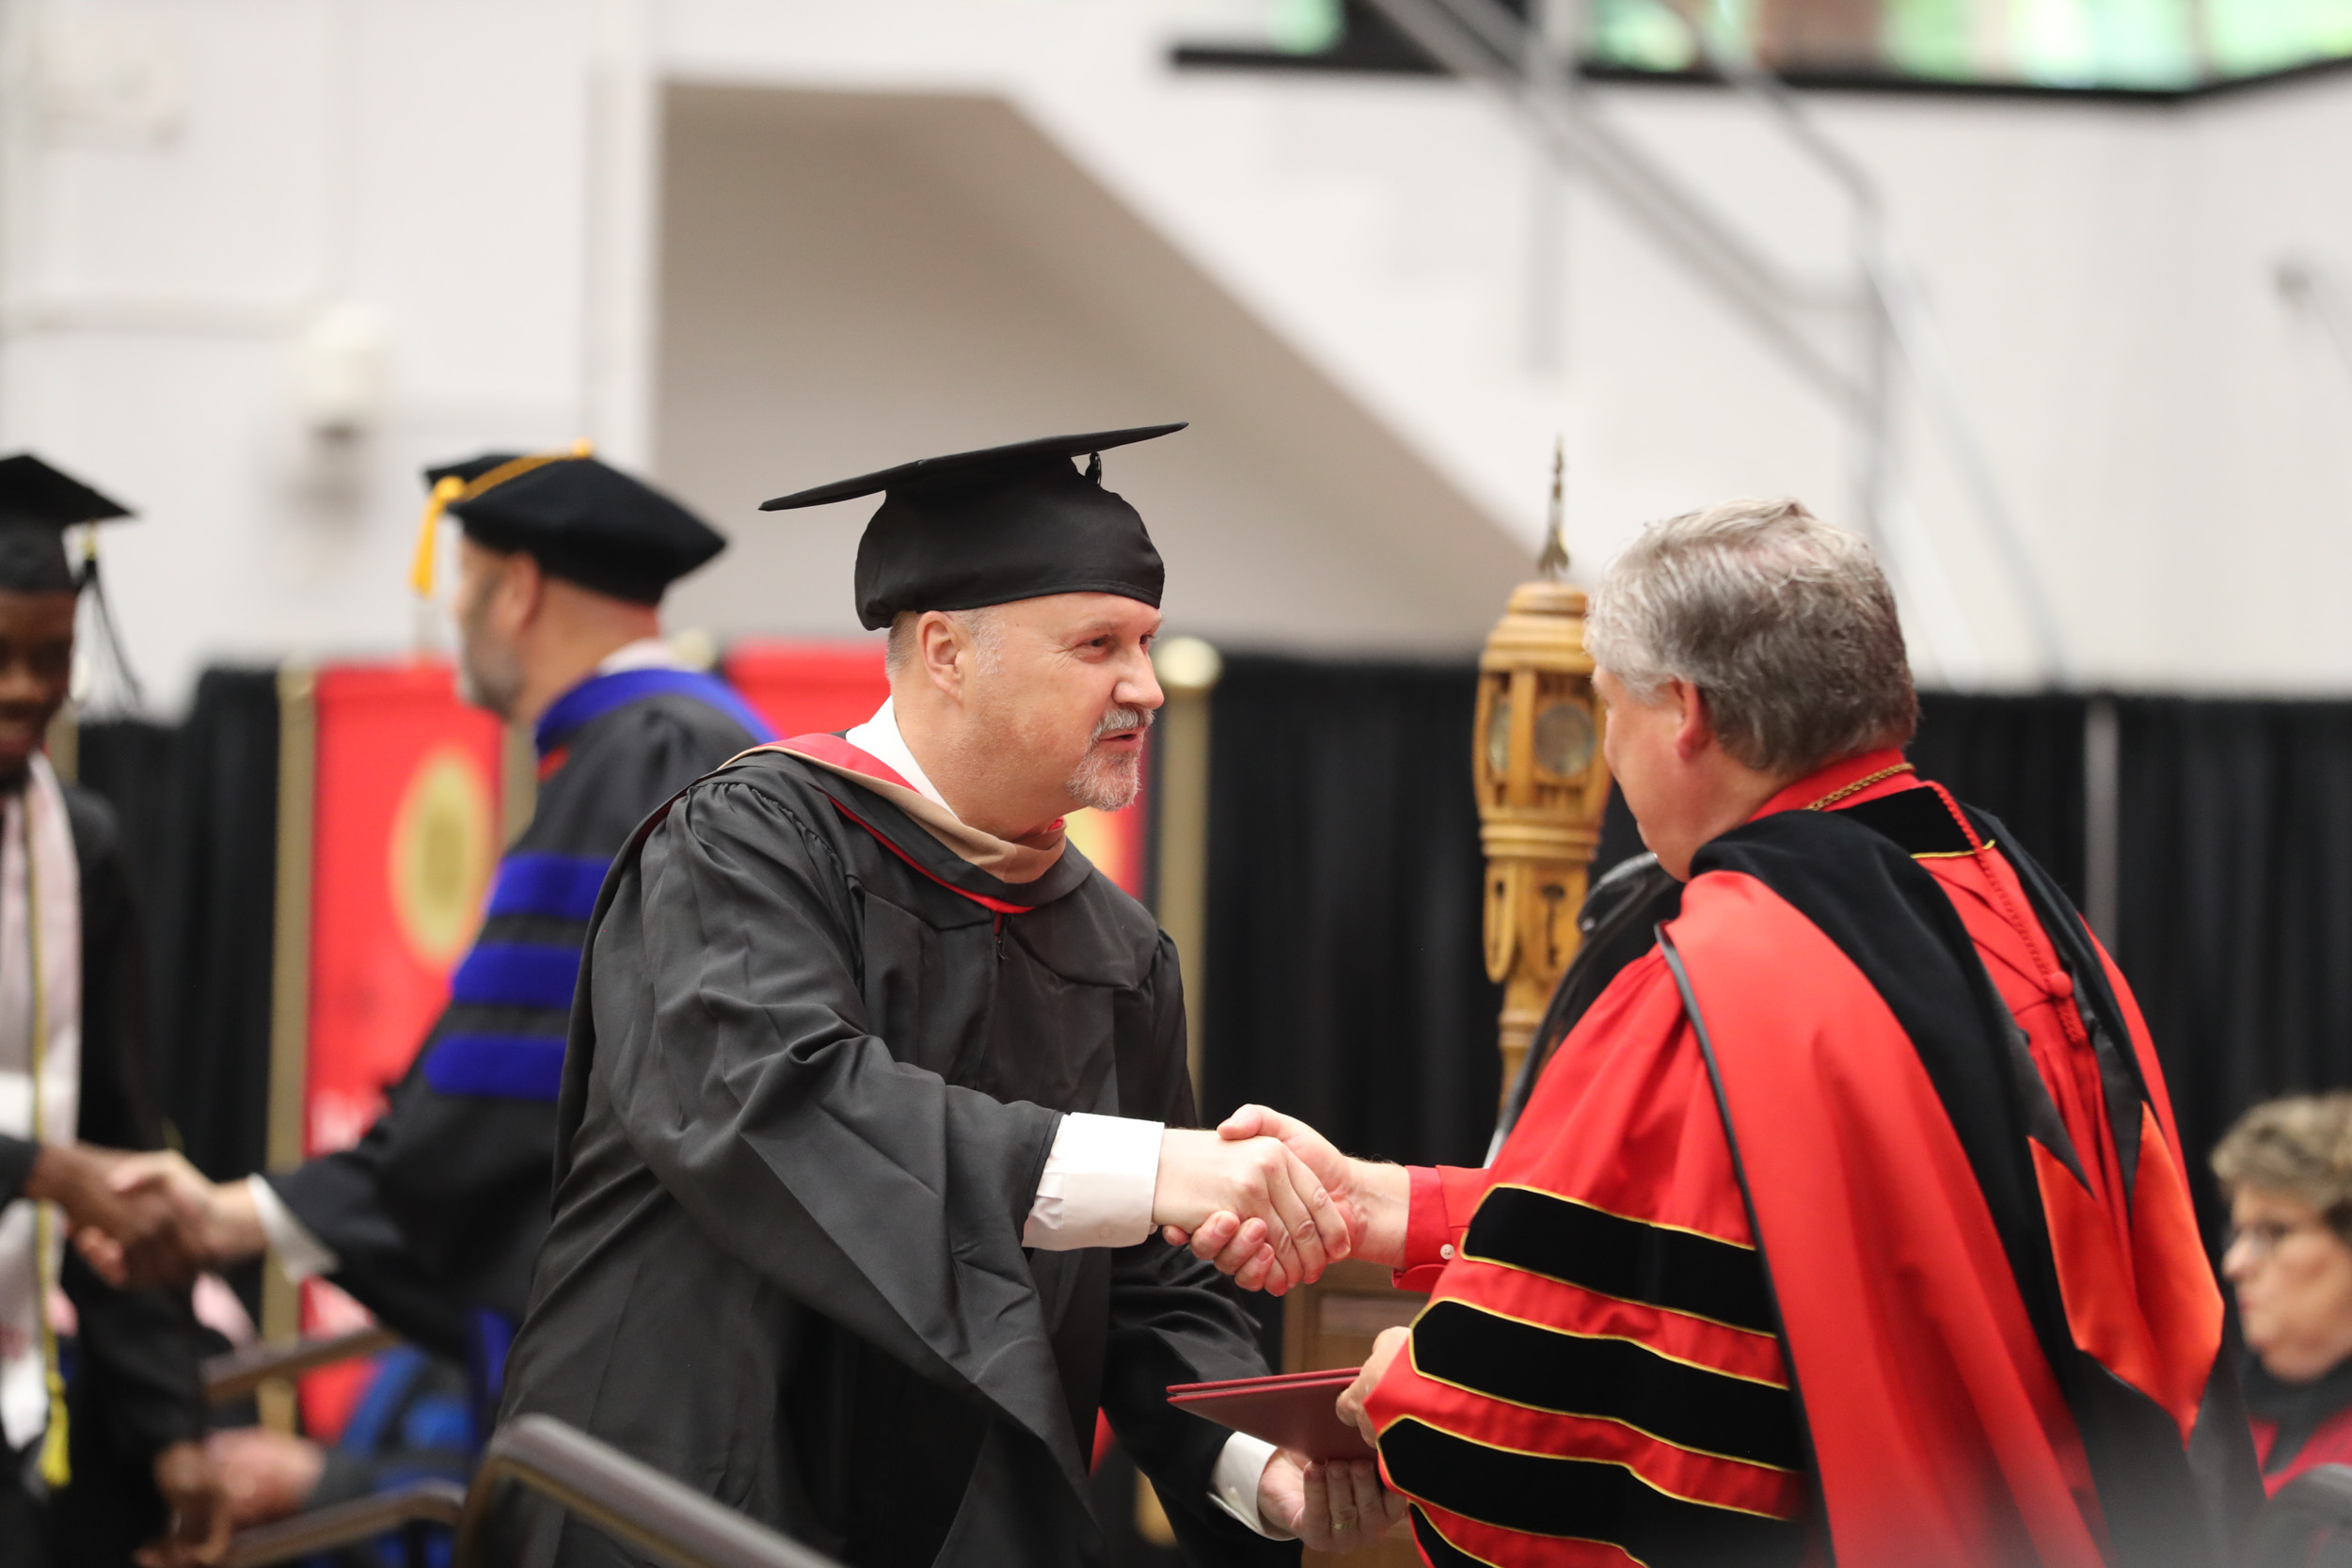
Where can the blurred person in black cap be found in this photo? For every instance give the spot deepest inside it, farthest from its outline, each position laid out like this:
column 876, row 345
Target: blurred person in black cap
column 877, row 1091
column 431, row 1221
column 101, row 1415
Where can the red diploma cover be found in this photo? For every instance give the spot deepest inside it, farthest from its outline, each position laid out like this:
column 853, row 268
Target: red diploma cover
column 1292, row 1410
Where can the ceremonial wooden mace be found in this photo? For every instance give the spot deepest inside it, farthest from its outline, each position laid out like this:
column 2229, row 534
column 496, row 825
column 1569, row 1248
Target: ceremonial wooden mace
column 1542, row 786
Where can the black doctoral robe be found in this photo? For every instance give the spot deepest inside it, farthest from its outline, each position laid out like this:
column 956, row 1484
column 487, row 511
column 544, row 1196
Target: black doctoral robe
column 135, row 1387
column 436, row 1212
column 818, row 1065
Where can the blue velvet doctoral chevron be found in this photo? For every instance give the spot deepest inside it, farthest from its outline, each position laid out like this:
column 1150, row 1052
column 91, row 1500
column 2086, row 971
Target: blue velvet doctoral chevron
column 516, row 974
column 560, row 887
column 502, row 1067
column 600, row 694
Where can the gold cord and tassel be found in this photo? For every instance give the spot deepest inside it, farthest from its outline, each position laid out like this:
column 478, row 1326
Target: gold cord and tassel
column 452, row 491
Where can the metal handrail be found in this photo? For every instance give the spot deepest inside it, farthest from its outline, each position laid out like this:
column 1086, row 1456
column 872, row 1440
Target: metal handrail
column 240, row 1371
column 629, row 1500
column 427, row 1502
column 1482, row 43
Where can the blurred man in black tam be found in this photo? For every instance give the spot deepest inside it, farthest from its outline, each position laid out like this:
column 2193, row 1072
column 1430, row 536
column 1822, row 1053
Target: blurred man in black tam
column 431, row 1221
column 94, row 1463
column 876, row 1094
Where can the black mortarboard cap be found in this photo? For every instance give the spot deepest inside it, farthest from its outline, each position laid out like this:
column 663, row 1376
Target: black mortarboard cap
column 988, row 526
column 582, row 520
column 37, row 505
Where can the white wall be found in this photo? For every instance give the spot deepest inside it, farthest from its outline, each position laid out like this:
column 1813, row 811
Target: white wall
column 850, row 280
column 950, row 220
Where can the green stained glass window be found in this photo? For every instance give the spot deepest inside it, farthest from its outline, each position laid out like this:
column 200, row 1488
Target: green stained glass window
column 2143, row 44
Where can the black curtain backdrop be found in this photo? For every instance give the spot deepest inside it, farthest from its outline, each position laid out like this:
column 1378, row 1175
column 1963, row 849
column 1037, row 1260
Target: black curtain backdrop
column 198, row 803
column 2020, row 758
column 2236, row 901
column 1345, row 981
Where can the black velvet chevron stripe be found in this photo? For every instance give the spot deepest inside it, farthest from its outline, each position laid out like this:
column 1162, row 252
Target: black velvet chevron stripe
column 1621, row 1258
column 1580, row 1499
column 1611, row 1379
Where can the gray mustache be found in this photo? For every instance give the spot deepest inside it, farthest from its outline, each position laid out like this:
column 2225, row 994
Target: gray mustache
column 1123, row 718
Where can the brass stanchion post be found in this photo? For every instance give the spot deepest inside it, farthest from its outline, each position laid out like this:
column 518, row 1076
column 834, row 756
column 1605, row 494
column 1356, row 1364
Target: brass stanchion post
column 1188, row 671
column 290, row 995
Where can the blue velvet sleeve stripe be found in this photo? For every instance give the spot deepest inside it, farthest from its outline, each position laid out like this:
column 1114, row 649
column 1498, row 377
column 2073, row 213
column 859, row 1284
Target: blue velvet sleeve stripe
column 516, row 974
column 498, row 1067
column 562, row 886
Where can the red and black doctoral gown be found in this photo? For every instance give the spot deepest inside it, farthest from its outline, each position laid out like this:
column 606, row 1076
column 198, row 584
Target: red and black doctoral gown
column 1849, row 1223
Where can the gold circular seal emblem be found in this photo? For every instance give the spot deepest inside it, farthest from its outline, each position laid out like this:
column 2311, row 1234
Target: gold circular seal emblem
column 442, row 851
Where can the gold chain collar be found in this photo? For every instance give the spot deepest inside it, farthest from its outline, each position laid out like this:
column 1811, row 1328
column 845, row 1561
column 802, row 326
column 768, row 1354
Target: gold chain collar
column 1858, row 787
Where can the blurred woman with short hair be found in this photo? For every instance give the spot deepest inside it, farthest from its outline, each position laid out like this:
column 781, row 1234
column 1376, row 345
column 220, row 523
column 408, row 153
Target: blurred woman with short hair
column 2287, row 1169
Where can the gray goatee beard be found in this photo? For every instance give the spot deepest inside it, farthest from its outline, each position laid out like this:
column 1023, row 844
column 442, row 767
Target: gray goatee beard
column 1109, row 780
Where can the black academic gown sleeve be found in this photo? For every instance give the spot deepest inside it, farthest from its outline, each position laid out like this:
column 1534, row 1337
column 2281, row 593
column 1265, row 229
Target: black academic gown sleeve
column 138, row 1387
column 442, row 1205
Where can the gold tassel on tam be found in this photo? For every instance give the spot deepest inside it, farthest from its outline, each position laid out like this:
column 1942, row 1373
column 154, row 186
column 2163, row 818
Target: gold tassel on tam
column 454, row 491
column 421, row 565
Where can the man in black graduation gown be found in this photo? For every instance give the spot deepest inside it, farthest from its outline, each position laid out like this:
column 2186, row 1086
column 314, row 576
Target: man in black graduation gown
column 119, row 1460
column 877, row 1088
column 431, row 1221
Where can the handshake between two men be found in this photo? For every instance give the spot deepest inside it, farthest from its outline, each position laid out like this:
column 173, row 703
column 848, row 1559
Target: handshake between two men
column 145, row 1220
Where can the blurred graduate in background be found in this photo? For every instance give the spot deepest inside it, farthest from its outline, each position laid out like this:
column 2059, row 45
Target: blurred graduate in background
column 102, row 1415
column 433, row 1219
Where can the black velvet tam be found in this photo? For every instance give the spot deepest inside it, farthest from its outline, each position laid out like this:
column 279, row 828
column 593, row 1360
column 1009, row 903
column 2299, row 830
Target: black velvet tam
column 988, row 526
column 581, row 520
column 37, row 505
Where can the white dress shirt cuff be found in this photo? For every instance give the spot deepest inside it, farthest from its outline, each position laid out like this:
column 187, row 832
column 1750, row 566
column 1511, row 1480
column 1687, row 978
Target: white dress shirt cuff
column 1234, row 1484
column 299, row 1253
column 1100, row 1177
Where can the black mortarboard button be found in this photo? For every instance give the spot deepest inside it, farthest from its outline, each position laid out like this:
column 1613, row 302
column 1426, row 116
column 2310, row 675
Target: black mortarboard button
column 580, row 520
column 37, row 505
column 988, row 526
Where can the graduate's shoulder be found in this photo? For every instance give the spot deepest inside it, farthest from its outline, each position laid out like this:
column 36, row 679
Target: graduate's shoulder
column 759, row 783
column 675, row 720
column 622, row 765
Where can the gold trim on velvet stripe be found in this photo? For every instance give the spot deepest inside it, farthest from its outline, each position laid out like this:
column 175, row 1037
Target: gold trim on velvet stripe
column 1424, row 1421
column 1590, row 1415
column 1422, row 1509
column 1630, row 1219
column 1621, row 1338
